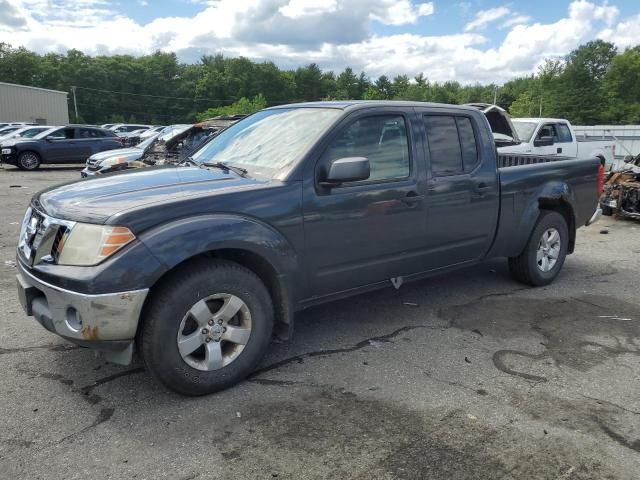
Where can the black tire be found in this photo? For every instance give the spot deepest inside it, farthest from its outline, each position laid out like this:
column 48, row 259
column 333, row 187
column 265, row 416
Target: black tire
column 525, row 268
column 169, row 305
column 28, row 161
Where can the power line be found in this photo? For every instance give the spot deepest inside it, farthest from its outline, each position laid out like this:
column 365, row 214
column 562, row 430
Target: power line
column 195, row 99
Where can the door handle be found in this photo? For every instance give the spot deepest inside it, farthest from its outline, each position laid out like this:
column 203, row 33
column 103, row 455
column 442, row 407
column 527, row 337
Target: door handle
column 559, row 150
column 483, row 187
column 412, row 199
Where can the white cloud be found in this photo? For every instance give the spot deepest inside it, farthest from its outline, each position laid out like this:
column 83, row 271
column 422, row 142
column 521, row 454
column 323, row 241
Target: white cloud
column 485, row 17
column 624, row 34
column 426, row 9
column 515, row 20
column 332, row 33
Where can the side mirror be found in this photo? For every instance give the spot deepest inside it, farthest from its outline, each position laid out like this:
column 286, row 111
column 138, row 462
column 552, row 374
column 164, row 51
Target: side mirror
column 348, row 169
column 543, row 142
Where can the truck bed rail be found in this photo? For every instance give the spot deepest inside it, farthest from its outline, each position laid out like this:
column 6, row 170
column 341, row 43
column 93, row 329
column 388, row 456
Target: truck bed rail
column 518, row 159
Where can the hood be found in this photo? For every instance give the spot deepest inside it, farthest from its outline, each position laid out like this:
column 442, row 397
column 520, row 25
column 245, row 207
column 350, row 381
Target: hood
column 131, row 154
column 96, row 199
column 499, row 120
column 10, row 142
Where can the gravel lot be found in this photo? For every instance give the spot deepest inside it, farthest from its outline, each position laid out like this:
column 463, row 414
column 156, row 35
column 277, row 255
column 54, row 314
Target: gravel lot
column 468, row 375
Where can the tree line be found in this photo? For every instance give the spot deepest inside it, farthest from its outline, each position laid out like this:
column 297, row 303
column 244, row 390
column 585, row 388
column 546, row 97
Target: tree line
column 595, row 83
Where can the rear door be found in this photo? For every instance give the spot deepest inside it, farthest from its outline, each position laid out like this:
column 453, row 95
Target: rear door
column 462, row 189
column 368, row 231
column 87, row 143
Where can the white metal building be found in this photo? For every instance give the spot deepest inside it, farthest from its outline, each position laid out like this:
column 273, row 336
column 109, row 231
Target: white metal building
column 19, row 103
column 627, row 137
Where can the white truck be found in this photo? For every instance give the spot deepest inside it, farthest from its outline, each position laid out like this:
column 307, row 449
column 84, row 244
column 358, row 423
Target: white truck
column 555, row 136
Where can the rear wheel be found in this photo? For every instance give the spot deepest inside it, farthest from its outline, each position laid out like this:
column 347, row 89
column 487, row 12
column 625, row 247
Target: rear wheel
column 207, row 327
column 28, row 161
column 545, row 252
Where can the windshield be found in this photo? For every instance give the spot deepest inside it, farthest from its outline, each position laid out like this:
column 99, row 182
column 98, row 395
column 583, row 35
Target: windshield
column 29, row 132
column 524, row 129
column 269, row 142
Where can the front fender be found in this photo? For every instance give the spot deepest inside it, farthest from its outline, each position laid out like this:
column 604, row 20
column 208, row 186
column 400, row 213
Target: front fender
column 175, row 242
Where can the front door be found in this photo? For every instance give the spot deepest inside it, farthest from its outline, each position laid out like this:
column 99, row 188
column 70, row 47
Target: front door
column 61, row 146
column 463, row 191
column 369, row 231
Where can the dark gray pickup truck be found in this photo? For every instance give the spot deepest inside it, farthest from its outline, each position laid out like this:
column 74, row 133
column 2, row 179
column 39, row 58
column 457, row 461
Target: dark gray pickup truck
column 199, row 266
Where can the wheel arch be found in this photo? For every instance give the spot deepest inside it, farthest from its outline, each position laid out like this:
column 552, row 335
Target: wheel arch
column 564, row 208
column 277, row 284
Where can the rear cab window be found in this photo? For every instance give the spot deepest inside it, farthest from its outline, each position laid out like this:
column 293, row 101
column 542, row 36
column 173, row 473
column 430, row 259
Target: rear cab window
column 452, row 144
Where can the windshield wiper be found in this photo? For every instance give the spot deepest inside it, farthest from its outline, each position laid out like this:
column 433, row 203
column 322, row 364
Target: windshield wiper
column 225, row 166
column 188, row 160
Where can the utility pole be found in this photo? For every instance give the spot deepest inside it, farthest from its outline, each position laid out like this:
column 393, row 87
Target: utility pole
column 75, row 102
column 495, row 95
column 540, row 114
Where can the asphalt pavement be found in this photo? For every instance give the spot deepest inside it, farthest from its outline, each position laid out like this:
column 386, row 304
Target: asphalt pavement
column 468, row 375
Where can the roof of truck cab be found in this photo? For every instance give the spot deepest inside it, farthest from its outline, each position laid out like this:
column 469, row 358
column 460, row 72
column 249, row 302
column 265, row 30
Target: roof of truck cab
column 348, row 104
column 539, row 120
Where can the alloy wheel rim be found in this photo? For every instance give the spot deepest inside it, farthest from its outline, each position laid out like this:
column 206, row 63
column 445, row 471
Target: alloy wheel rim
column 548, row 250
column 29, row 161
column 214, row 332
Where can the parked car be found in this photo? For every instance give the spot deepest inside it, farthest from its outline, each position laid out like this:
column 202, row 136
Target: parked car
column 108, row 125
column 555, row 136
column 126, row 128
column 136, row 136
column 16, row 124
column 9, row 129
column 172, row 146
column 23, row 132
column 70, row 144
column 291, row 207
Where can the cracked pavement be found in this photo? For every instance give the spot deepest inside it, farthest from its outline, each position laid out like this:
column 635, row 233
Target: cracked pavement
column 465, row 375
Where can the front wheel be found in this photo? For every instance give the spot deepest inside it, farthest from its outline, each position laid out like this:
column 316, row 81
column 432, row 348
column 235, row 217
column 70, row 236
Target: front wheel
column 207, row 327
column 545, row 252
column 28, row 161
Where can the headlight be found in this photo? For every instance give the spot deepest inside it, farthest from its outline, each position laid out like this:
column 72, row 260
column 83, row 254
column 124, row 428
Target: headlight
column 87, row 244
column 6, row 151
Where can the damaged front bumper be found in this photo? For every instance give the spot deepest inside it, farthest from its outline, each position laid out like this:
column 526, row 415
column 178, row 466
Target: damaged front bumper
column 104, row 322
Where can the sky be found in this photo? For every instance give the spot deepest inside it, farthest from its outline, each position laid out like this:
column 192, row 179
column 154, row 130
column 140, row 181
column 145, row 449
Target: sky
column 472, row 41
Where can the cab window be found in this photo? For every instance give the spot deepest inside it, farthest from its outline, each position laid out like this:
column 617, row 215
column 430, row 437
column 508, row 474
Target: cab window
column 382, row 139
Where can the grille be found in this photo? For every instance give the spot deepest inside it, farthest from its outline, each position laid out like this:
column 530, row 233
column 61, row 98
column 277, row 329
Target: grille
column 42, row 237
column 58, row 242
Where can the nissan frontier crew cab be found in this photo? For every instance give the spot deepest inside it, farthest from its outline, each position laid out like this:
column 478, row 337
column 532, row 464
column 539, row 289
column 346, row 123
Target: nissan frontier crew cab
column 198, row 266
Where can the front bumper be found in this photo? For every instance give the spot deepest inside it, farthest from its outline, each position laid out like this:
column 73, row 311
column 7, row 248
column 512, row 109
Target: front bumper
column 87, row 172
column 105, row 322
column 9, row 158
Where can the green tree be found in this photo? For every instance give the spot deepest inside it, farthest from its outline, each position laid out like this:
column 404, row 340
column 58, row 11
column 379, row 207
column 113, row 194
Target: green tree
column 242, row 106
